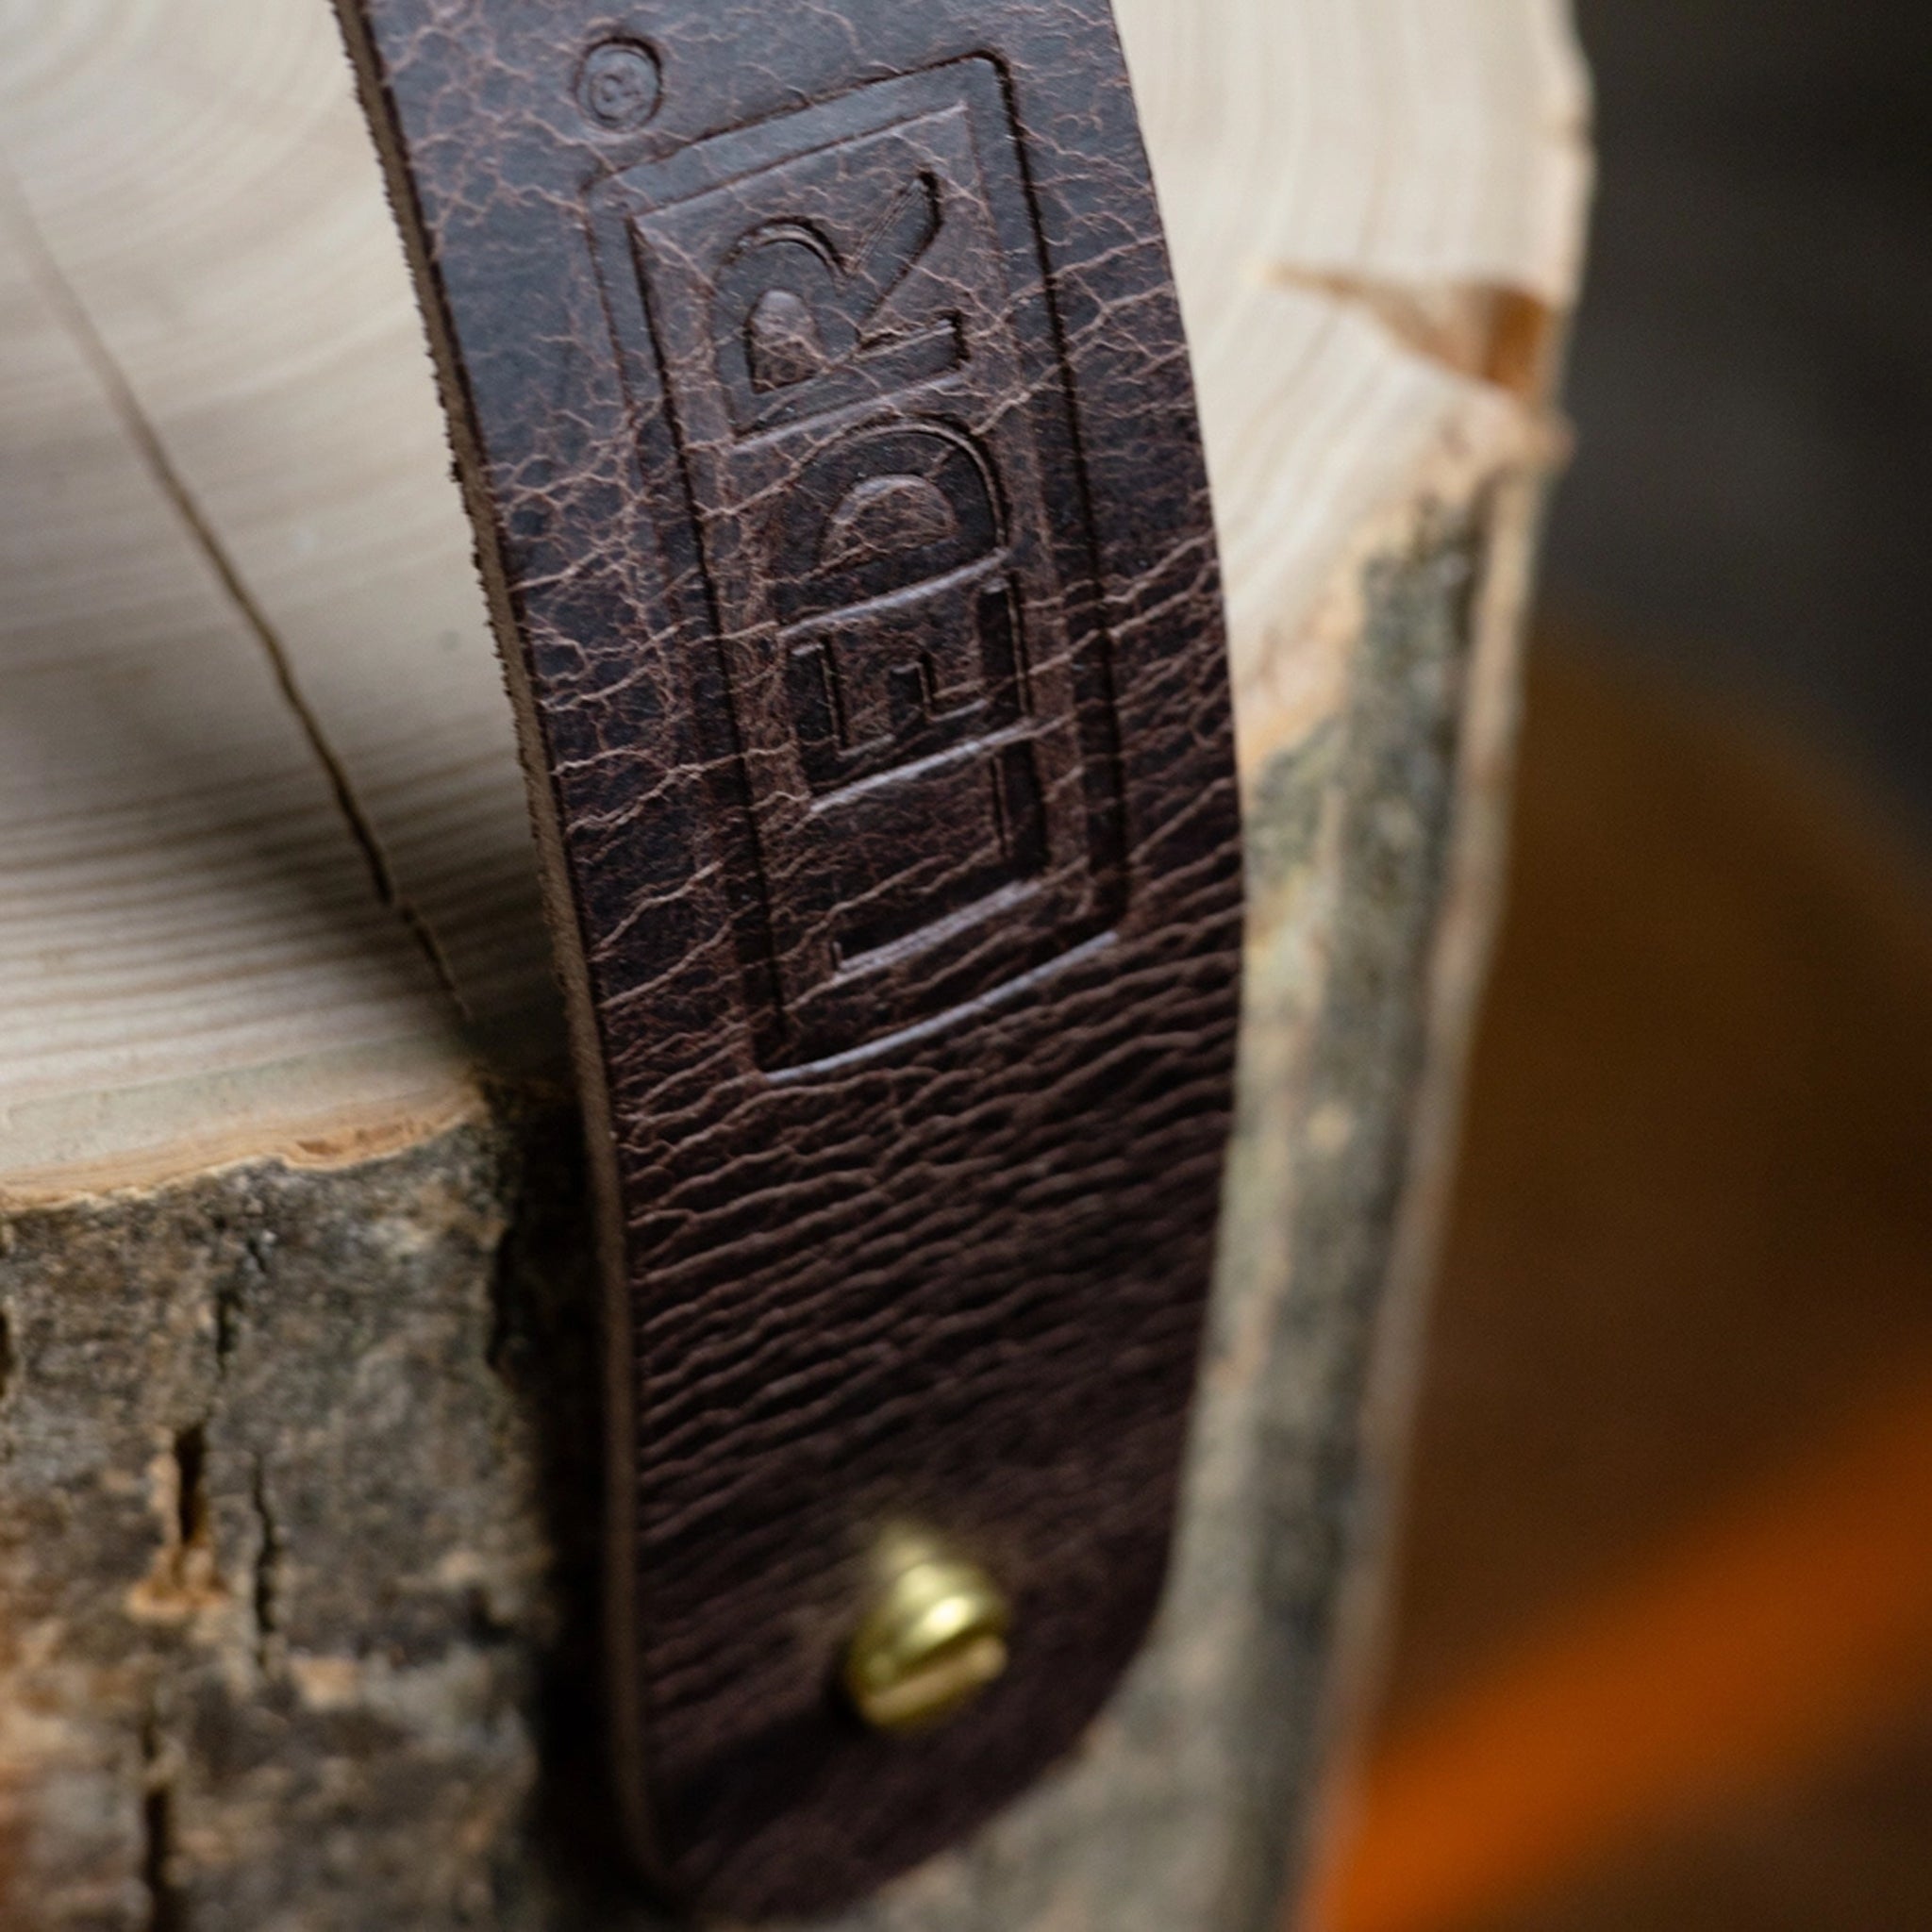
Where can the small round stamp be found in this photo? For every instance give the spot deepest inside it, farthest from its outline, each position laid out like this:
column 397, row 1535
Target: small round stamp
column 619, row 84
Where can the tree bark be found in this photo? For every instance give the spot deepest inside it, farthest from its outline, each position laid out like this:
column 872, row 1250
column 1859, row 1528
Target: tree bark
column 298, row 1442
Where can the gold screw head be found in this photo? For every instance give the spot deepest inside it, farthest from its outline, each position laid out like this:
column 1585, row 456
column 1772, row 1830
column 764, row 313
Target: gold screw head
column 933, row 1639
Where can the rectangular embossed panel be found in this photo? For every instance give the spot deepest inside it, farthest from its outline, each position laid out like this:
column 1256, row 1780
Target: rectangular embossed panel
column 837, row 331
column 821, row 405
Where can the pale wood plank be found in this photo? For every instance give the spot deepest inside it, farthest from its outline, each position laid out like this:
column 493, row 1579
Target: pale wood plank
column 194, row 963
column 205, row 180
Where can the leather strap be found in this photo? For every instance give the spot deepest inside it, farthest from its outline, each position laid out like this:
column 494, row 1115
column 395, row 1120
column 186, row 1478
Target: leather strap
column 820, row 400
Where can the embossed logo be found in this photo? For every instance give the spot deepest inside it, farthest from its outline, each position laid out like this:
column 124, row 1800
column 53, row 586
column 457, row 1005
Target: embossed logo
column 619, row 84
column 838, row 328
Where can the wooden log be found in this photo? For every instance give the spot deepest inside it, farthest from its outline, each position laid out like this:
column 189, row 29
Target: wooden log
column 297, row 1433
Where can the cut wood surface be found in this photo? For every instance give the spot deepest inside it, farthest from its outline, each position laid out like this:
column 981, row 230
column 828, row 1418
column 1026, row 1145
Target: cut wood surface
column 279, row 1052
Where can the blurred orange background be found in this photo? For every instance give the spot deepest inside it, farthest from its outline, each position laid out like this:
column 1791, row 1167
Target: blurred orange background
column 1664, row 1642
column 1663, row 1651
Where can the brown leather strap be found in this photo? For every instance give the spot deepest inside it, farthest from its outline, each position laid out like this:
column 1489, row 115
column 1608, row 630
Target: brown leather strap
column 822, row 407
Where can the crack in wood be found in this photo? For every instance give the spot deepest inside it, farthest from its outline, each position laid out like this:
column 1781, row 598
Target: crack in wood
column 1490, row 332
column 167, row 1909
column 268, row 1560
column 190, row 1483
column 125, row 405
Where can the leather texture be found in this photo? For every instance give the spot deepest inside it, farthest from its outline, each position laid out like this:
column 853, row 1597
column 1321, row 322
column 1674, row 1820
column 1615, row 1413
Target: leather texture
column 820, row 399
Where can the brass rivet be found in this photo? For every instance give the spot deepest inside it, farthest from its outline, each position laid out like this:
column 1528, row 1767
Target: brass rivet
column 934, row 1638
